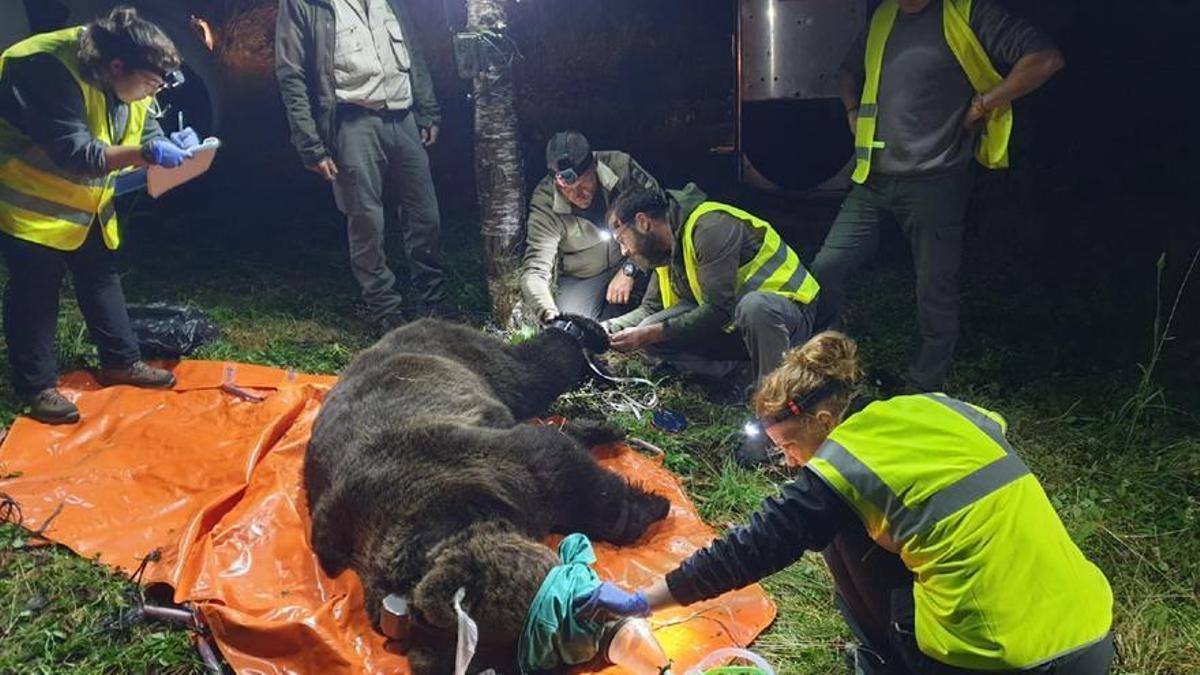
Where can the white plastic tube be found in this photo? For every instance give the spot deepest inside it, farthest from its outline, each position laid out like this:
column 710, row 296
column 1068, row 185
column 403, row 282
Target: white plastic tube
column 723, row 656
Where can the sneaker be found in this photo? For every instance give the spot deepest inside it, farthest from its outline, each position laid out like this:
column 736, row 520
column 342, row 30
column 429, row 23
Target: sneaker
column 51, row 407
column 139, row 374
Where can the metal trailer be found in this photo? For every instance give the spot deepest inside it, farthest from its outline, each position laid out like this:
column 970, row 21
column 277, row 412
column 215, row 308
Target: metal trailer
column 791, row 125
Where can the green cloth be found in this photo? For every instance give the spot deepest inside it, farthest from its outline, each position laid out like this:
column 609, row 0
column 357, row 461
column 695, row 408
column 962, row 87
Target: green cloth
column 553, row 636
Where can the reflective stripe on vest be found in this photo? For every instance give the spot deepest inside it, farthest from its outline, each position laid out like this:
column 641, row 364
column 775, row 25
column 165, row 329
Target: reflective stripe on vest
column 774, row 269
column 992, row 151
column 41, row 201
column 904, row 523
column 998, row 582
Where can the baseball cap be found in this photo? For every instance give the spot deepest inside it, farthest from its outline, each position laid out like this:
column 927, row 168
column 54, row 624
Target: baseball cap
column 568, row 155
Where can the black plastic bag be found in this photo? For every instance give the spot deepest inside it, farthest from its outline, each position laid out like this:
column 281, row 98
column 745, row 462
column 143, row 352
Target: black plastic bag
column 167, row 331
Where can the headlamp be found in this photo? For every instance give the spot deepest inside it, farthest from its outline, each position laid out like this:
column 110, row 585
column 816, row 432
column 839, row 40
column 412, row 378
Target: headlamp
column 795, row 408
column 568, row 172
column 567, row 176
column 172, row 79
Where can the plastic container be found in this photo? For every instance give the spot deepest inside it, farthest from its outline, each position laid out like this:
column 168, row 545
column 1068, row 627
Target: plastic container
column 630, row 643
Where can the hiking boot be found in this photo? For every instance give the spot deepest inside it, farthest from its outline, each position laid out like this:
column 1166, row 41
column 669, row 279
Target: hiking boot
column 756, row 452
column 735, row 389
column 887, row 383
column 362, row 310
column 434, row 310
column 139, row 374
column 387, row 322
column 51, row 407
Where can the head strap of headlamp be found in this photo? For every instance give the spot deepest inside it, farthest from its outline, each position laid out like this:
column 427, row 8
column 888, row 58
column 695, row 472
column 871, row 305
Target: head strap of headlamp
column 802, row 405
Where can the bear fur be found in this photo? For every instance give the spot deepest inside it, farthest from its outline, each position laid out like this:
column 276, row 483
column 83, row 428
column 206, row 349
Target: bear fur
column 421, row 477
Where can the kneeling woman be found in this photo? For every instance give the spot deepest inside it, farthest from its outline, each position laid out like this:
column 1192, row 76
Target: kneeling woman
column 996, row 583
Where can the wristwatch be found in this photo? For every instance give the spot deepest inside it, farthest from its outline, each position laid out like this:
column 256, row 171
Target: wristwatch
column 629, row 268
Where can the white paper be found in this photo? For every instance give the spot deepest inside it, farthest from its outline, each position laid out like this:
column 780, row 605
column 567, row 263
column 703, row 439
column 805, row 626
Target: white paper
column 468, row 635
column 159, row 179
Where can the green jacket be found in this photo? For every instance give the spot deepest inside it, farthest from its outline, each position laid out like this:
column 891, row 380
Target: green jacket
column 304, row 37
column 558, row 240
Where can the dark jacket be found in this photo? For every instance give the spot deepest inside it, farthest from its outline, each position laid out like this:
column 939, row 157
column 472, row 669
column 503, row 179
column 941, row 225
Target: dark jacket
column 39, row 96
column 806, row 516
column 304, row 35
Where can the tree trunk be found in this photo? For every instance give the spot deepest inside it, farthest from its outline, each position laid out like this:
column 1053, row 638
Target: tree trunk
column 499, row 176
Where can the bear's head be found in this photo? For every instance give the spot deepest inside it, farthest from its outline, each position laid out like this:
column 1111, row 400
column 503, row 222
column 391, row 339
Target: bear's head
column 501, row 571
column 624, row 521
column 588, row 333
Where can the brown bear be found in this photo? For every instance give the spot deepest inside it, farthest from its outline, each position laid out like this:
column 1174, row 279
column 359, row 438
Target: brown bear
column 422, row 476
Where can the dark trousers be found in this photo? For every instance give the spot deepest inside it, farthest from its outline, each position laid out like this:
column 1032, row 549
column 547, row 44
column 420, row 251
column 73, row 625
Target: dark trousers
column 929, row 211
column 873, row 590
column 767, row 325
column 864, row 576
column 382, row 162
column 35, row 276
column 589, row 297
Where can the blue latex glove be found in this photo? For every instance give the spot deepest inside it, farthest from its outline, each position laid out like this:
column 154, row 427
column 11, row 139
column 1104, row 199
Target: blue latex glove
column 612, row 599
column 164, row 153
column 185, row 138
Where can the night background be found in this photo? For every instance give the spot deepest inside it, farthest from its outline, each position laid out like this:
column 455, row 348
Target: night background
column 1069, row 237
column 1073, row 263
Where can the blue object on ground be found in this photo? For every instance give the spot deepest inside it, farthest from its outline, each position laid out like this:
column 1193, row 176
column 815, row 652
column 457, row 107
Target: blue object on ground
column 669, row 421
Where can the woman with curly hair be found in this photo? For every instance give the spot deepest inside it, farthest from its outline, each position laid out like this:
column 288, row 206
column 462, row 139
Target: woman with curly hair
column 970, row 569
column 75, row 110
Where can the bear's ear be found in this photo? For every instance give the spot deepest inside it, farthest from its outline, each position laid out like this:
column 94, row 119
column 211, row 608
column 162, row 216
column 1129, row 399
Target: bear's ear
column 451, row 568
column 501, row 571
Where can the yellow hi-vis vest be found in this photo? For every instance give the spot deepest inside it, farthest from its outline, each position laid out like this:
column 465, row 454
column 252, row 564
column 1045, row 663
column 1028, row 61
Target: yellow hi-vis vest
column 999, row 585
column 774, row 269
column 956, row 14
column 41, row 201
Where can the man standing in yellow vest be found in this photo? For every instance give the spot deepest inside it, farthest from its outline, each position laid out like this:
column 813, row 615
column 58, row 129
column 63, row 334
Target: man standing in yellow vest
column 970, row 569
column 924, row 95
column 75, row 112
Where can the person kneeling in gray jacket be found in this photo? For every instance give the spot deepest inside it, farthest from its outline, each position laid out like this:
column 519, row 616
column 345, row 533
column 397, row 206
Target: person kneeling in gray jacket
column 568, row 235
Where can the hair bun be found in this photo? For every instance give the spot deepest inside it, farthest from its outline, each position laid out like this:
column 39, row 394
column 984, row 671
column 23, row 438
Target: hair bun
column 122, row 17
column 830, row 354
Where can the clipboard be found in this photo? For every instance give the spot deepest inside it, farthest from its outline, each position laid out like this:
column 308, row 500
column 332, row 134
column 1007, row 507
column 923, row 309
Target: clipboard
column 160, row 180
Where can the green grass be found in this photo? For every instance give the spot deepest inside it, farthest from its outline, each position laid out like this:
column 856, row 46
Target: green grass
column 1128, row 490
column 59, row 611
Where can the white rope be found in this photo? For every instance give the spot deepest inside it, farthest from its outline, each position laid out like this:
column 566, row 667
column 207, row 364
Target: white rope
column 620, row 402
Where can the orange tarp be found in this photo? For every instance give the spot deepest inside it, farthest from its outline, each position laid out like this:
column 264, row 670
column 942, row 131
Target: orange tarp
column 212, row 480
